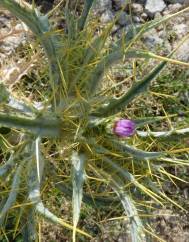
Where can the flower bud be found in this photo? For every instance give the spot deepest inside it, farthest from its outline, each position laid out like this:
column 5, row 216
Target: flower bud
column 124, row 128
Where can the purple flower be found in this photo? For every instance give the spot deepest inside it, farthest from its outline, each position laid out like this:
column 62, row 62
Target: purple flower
column 124, row 128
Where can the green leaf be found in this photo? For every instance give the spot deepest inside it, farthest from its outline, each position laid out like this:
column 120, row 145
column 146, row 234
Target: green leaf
column 4, row 169
column 136, row 227
column 29, row 231
column 66, row 189
column 127, row 149
column 90, row 55
column 13, row 192
column 109, row 60
column 4, row 94
column 171, row 135
column 148, row 120
column 70, row 22
column 34, row 193
column 124, row 173
column 116, row 104
column 84, row 15
column 98, row 72
column 78, row 177
column 38, row 126
column 42, row 210
column 137, row 233
column 89, row 199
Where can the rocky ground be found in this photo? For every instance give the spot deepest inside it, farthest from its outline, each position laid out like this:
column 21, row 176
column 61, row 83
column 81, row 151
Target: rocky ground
column 172, row 226
column 140, row 11
column 135, row 12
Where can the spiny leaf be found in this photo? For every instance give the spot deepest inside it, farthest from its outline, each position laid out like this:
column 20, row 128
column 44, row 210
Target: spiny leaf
column 127, row 149
column 113, row 57
column 125, row 174
column 116, row 105
column 29, row 231
column 137, row 234
column 78, row 177
column 70, row 22
column 37, row 126
column 91, row 53
column 42, row 210
column 172, row 134
column 35, row 198
column 14, row 191
column 84, row 15
column 93, row 201
column 66, row 189
column 4, row 169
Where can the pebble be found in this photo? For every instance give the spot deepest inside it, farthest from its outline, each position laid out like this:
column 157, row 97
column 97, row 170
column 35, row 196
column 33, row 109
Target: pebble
column 103, row 5
column 137, row 8
column 152, row 39
column 124, row 19
column 182, row 53
column 106, row 16
column 154, row 6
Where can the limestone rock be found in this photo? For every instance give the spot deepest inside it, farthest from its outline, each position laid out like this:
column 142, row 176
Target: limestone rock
column 154, row 6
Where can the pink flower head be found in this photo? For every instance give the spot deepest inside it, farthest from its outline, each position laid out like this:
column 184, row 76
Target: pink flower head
column 124, row 128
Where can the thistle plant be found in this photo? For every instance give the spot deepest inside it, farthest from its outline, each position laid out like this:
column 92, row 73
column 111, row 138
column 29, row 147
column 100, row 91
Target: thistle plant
column 77, row 125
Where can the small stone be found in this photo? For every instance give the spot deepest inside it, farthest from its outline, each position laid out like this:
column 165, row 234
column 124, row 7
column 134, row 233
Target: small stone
column 157, row 15
column 154, row 6
column 124, row 19
column 180, row 30
column 182, row 53
column 173, row 8
column 107, row 16
column 152, row 39
column 137, row 19
column 103, row 5
column 137, row 8
column 144, row 16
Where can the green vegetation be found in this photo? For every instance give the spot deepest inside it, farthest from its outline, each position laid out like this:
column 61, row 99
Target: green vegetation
column 61, row 142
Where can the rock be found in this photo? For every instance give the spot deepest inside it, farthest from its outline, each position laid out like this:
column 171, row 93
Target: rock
column 173, row 8
column 182, row 53
column 180, row 30
column 107, row 16
column 124, row 19
column 152, row 39
column 11, row 37
column 144, row 16
column 103, row 5
column 137, row 8
column 137, row 19
column 154, row 6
